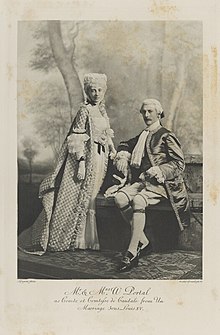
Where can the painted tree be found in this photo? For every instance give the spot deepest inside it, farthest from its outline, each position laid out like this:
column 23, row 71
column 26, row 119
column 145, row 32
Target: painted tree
column 53, row 52
column 50, row 114
column 141, row 59
column 30, row 152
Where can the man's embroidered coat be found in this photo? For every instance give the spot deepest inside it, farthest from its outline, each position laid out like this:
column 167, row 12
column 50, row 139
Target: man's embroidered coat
column 163, row 149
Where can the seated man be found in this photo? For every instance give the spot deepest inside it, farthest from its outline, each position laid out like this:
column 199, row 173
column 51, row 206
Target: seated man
column 153, row 166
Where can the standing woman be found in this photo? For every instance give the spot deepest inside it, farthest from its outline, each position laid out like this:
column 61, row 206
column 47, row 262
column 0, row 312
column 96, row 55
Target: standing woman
column 68, row 220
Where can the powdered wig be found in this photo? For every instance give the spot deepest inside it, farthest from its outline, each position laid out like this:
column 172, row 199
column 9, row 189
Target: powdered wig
column 156, row 104
column 95, row 78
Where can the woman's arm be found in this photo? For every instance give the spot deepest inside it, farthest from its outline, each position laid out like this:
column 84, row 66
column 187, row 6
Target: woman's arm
column 77, row 139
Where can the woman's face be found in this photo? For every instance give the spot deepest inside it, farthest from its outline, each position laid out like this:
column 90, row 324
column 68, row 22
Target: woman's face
column 96, row 93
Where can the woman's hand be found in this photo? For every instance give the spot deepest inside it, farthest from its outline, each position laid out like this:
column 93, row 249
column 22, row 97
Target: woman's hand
column 113, row 152
column 112, row 149
column 81, row 171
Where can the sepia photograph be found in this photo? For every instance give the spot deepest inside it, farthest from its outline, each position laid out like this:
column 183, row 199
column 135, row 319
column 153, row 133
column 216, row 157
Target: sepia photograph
column 110, row 184
column 110, row 149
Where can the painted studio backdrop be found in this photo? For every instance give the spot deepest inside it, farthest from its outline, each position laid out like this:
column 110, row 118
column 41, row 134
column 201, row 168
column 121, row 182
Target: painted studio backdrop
column 154, row 59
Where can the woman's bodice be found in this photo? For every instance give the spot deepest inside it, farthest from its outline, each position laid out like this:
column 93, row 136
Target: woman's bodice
column 99, row 127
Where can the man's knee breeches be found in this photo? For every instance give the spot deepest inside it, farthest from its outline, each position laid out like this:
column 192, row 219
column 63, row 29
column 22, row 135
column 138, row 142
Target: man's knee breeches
column 137, row 197
column 123, row 202
column 139, row 204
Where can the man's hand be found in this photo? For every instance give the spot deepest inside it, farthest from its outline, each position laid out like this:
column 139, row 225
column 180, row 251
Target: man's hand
column 155, row 172
column 111, row 191
column 142, row 176
column 122, row 165
column 152, row 172
column 122, row 180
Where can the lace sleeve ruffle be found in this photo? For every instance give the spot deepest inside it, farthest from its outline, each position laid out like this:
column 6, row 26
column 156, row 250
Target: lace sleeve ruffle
column 110, row 132
column 123, row 155
column 155, row 172
column 76, row 142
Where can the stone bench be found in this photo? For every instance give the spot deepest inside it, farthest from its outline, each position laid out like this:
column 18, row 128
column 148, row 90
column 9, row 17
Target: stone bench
column 161, row 228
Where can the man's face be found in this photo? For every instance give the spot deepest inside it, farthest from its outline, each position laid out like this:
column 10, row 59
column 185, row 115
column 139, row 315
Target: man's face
column 149, row 114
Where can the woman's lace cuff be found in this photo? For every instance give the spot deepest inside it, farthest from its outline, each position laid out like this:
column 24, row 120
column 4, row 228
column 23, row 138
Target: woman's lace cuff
column 110, row 132
column 76, row 143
